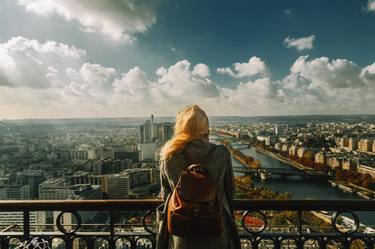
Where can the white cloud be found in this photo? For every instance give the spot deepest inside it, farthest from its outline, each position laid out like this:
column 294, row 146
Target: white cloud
column 323, row 72
column 56, row 80
column 176, row 83
column 115, row 19
column 92, row 82
column 327, row 86
column 172, row 88
column 133, row 86
column 371, row 5
column 26, row 62
column 226, row 70
column 255, row 66
column 201, row 70
column 300, row 44
column 368, row 74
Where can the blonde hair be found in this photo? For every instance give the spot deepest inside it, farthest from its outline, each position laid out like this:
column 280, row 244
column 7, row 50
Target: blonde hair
column 191, row 123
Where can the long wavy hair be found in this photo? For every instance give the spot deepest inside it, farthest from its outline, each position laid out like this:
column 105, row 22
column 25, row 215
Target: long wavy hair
column 191, row 123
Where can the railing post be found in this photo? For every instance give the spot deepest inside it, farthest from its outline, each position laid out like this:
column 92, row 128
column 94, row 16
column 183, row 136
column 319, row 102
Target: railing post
column 4, row 244
column 299, row 230
column 112, row 243
column 346, row 241
column 299, row 223
column 26, row 224
column 68, row 242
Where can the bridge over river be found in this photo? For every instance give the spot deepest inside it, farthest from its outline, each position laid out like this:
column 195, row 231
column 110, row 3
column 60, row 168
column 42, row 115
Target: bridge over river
column 285, row 172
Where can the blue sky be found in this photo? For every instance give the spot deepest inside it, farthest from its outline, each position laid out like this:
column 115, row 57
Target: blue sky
column 108, row 58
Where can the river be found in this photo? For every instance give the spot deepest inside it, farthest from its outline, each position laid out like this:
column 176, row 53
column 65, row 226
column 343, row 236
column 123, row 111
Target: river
column 298, row 188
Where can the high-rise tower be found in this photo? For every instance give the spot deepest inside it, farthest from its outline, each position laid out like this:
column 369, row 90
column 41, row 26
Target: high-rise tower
column 152, row 128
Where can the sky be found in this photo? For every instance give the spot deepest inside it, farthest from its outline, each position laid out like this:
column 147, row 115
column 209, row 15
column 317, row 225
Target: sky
column 130, row 58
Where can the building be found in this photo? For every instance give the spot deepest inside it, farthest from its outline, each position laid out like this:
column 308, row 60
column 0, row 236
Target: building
column 139, row 177
column 283, row 140
column 156, row 179
column 279, row 130
column 167, row 131
column 32, row 178
column 84, row 152
column 343, row 142
column 85, row 178
column 106, row 152
column 76, row 154
column 109, row 166
column 268, row 141
column 334, row 162
column 147, row 151
column 80, row 178
column 115, row 186
column 130, row 147
column 130, row 182
column 278, row 146
column 163, row 131
column 365, row 169
column 14, row 192
column 151, row 131
column 292, row 150
column 55, row 189
column 301, row 152
column 365, row 145
column 285, row 148
column 320, row 158
column 146, row 131
column 348, row 165
column 123, row 155
column 12, row 218
column 261, row 138
column 353, row 143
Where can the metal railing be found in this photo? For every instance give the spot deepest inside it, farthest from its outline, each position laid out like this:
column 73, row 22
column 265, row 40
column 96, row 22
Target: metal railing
column 261, row 223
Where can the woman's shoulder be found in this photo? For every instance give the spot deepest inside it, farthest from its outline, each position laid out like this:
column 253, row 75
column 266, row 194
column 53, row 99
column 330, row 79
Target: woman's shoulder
column 221, row 149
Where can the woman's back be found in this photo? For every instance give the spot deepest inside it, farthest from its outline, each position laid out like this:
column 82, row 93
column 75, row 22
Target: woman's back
column 220, row 171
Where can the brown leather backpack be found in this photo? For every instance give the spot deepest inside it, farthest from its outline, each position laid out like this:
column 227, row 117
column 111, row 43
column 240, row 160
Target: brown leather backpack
column 194, row 209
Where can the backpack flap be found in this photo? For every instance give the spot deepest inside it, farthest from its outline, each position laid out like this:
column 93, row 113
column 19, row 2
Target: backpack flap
column 195, row 186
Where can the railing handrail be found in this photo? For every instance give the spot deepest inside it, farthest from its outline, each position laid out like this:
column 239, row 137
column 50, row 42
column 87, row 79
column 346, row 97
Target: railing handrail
column 149, row 204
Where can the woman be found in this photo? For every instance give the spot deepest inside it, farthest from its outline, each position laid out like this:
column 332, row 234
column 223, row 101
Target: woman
column 191, row 135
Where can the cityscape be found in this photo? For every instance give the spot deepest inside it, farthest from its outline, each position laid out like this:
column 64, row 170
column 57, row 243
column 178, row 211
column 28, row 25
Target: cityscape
column 98, row 159
column 91, row 91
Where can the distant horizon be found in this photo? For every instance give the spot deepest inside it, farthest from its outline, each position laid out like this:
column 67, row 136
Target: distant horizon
column 163, row 117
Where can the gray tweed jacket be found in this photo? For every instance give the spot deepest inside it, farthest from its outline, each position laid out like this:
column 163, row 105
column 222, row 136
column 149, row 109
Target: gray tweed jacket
column 220, row 170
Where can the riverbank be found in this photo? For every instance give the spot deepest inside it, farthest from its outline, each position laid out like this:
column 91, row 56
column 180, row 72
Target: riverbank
column 282, row 159
column 353, row 189
column 239, row 156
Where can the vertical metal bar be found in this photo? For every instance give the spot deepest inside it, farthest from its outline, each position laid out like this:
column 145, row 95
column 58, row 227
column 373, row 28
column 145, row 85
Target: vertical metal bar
column 68, row 242
column 26, row 224
column 111, row 224
column 111, row 241
column 299, row 230
column 4, row 243
column 133, row 243
column 346, row 243
column 299, row 223
column 90, row 242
